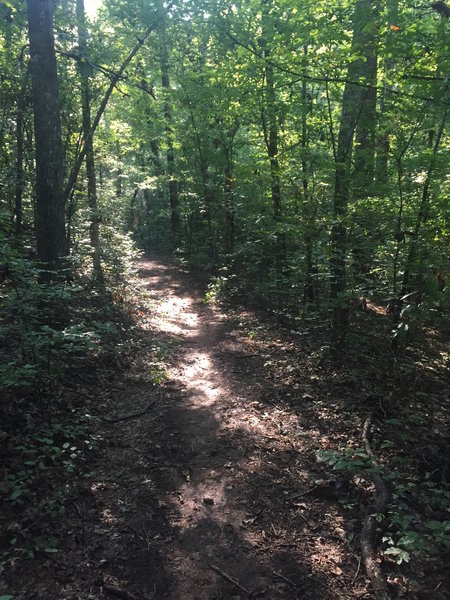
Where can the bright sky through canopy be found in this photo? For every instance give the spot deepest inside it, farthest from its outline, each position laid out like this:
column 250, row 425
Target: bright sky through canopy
column 91, row 7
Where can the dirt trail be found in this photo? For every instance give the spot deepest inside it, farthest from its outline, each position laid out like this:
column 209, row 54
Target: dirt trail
column 204, row 498
column 207, row 486
column 211, row 494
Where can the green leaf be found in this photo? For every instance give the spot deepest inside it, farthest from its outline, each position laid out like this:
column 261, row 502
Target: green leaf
column 399, row 555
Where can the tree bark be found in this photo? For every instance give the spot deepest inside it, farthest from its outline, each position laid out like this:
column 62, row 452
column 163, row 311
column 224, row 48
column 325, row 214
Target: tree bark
column 18, row 192
column 50, row 226
column 270, row 128
column 364, row 20
column 364, row 163
column 165, row 82
column 94, row 227
column 381, row 166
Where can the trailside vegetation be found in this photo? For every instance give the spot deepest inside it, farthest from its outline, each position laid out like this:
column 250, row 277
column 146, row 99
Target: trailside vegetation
column 294, row 153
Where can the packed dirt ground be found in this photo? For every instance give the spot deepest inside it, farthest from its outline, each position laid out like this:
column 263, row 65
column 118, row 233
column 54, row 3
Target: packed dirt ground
column 208, row 486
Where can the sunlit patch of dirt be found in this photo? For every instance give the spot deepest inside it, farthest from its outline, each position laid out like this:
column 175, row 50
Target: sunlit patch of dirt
column 214, row 492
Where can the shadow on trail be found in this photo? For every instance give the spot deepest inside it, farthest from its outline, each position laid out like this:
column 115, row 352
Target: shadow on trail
column 213, row 493
column 203, row 504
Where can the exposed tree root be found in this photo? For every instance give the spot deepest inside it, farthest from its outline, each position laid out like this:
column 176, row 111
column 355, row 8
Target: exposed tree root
column 368, row 537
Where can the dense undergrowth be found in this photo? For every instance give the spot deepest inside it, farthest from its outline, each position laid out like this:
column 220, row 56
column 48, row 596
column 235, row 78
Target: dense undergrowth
column 57, row 337
column 401, row 386
column 49, row 419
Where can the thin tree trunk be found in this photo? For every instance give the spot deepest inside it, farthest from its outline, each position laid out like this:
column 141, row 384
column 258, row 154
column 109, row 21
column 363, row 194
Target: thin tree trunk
column 165, row 81
column 50, row 226
column 229, row 203
column 94, row 227
column 308, row 219
column 270, row 128
column 18, row 192
column 203, row 168
column 364, row 18
column 270, row 124
column 116, row 77
column 422, row 213
column 383, row 147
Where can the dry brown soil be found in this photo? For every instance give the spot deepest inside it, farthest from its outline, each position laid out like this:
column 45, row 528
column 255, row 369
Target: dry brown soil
column 215, row 492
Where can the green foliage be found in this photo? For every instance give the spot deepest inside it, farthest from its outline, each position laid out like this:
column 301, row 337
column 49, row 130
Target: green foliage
column 40, row 459
column 405, row 533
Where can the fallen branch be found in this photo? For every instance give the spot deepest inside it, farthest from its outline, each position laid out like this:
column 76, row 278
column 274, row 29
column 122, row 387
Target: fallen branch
column 284, row 578
column 378, row 507
column 131, row 416
column 118, row 593
column 229, row 578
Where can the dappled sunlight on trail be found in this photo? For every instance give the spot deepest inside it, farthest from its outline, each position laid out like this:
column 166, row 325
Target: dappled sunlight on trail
column 204, row 489
column 217, row 468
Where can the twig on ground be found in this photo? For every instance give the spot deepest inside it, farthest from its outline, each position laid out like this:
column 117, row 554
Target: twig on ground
column 378, row 507
column 229, row 578
column 300, row 494
column 131, row 416
column 357, row 571
column 284, row 578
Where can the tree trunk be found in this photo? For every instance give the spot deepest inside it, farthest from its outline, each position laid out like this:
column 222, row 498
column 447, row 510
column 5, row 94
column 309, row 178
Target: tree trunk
column 165, row 81
column 381, row 166
column 229, row 203
column 364, row 163
column 270, row 128
column 94, row 229
column 101, row 109
column 18, row 192
column 422, row 214
column 308, row 217
column 364, row 22
column 50, row 228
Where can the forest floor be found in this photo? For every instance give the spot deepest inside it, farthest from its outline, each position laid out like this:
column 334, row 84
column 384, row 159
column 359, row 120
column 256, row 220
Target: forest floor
column 208, row 486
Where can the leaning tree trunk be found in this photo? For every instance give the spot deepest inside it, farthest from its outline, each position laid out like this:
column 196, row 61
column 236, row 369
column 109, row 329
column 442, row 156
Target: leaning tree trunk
column 413, row 253
column 49, row 226
column 94, row 228
column 414, row 259
column 364, row 20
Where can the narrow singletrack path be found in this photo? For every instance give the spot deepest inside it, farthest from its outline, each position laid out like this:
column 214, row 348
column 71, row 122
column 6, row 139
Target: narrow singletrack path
column 205, row 474
column 209, row 493
column 205, row 480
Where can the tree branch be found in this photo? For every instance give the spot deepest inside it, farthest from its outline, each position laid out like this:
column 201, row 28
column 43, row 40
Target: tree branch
column 115, row 78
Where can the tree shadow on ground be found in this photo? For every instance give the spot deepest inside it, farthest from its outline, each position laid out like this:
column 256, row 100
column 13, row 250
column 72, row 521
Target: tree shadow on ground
column 215, row 493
